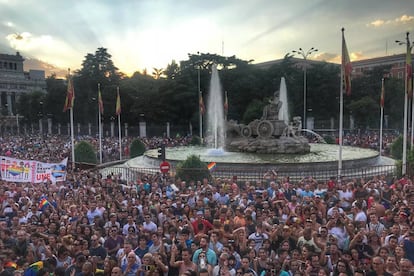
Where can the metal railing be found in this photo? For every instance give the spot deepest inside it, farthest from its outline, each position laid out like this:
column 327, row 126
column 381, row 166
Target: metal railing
column 257, row 174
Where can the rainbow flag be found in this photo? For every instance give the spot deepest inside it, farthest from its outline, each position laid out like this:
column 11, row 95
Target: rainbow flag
column 211, row 166
column 43, row 204
column 33, row 269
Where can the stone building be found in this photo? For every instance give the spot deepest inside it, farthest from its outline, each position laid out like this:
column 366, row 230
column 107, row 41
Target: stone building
column 14, row 81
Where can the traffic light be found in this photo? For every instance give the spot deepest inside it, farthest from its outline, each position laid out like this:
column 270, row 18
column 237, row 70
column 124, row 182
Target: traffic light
column 161, row 152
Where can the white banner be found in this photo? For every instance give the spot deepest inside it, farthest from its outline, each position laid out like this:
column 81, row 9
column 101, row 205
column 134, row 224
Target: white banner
column 16, row 170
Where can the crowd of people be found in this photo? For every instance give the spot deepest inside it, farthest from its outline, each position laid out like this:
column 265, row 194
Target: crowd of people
column 94, row 224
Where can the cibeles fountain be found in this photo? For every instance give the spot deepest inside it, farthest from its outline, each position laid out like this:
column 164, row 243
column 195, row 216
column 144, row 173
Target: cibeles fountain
column 272, row 141
column 272, row 133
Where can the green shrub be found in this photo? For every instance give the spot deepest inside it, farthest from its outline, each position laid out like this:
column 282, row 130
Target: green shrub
column 329, row 139
column 192, row 169
column 137, row 148
column 397, row 148
column 195, row 141
column 85, row 153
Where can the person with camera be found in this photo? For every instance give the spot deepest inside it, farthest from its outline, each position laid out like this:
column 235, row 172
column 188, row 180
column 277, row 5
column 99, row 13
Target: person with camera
column 210, row 255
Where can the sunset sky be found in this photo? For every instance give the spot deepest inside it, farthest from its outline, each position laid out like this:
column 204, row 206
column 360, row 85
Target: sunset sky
column 56, row 35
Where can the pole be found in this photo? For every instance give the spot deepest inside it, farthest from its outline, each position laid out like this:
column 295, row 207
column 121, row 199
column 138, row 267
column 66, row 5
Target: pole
column 119, row 123
column 200, row 116
column 100, row 127
column 381, row 119
column 120, row 136
column 17, row 124
column 412, row 124
column 404, row 157
column 305, row 60
column 304, row 92
column 341, row 115
column 72, row 138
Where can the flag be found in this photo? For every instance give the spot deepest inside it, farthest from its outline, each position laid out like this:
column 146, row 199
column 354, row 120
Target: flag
column 10, row 265
column 382, row 100
column 409, row 70
column 33, row 269
column 118, row 104
column 211, row 166
column 226, row 103
column 346, row 66
column 43, row 204
column 201, row 103
column 100, row 102
column 70, row 95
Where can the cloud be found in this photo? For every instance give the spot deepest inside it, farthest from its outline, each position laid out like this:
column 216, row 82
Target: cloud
column 36, row 64
column 403, row 19
column 335, row 58
column 325, row 56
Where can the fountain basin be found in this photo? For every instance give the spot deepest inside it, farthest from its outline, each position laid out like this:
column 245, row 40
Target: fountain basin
column 322, row 157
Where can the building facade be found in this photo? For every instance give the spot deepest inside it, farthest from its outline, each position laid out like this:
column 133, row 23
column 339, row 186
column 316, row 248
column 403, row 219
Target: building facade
column 396, row 63
column 14, row 82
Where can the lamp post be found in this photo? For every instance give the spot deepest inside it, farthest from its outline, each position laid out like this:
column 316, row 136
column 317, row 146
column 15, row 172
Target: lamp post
column 305, row 55
column 404, row 157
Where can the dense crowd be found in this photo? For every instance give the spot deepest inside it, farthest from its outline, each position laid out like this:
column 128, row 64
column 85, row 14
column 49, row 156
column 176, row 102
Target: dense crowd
column 93, row 224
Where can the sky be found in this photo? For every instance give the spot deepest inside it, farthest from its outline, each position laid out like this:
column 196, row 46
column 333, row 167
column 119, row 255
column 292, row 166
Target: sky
column 145, row 34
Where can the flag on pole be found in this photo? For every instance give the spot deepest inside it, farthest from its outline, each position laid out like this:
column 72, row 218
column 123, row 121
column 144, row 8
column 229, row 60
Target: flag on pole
column 100, row 102
column 118, row 103
column 201, row 103
column 409, row 70
column 382, row 100
column 70, row 95
column 226, row 103
column 346, row 67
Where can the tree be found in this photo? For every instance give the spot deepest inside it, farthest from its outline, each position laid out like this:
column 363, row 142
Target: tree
column 96, row 69
column 32, row 106
column 157, row 73
column 172, row 70
column 362, row 109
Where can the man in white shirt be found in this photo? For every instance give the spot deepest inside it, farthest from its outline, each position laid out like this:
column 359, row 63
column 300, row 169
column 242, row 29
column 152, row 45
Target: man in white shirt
column 148, row 224
column 130, row 223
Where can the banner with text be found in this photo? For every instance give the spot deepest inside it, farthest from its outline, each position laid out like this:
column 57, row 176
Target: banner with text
column 17, row 170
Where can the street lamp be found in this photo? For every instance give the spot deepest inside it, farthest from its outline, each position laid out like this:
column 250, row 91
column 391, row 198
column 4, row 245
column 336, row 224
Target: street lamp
column 305, row 56
column 404, row 157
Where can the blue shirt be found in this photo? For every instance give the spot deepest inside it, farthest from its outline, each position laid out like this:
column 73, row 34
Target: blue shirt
column 210, row 254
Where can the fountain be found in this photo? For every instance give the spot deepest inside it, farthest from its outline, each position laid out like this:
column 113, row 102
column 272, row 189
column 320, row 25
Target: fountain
column 284, row 110
column 215, row 116
column 272, row 133
column 271, row 142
